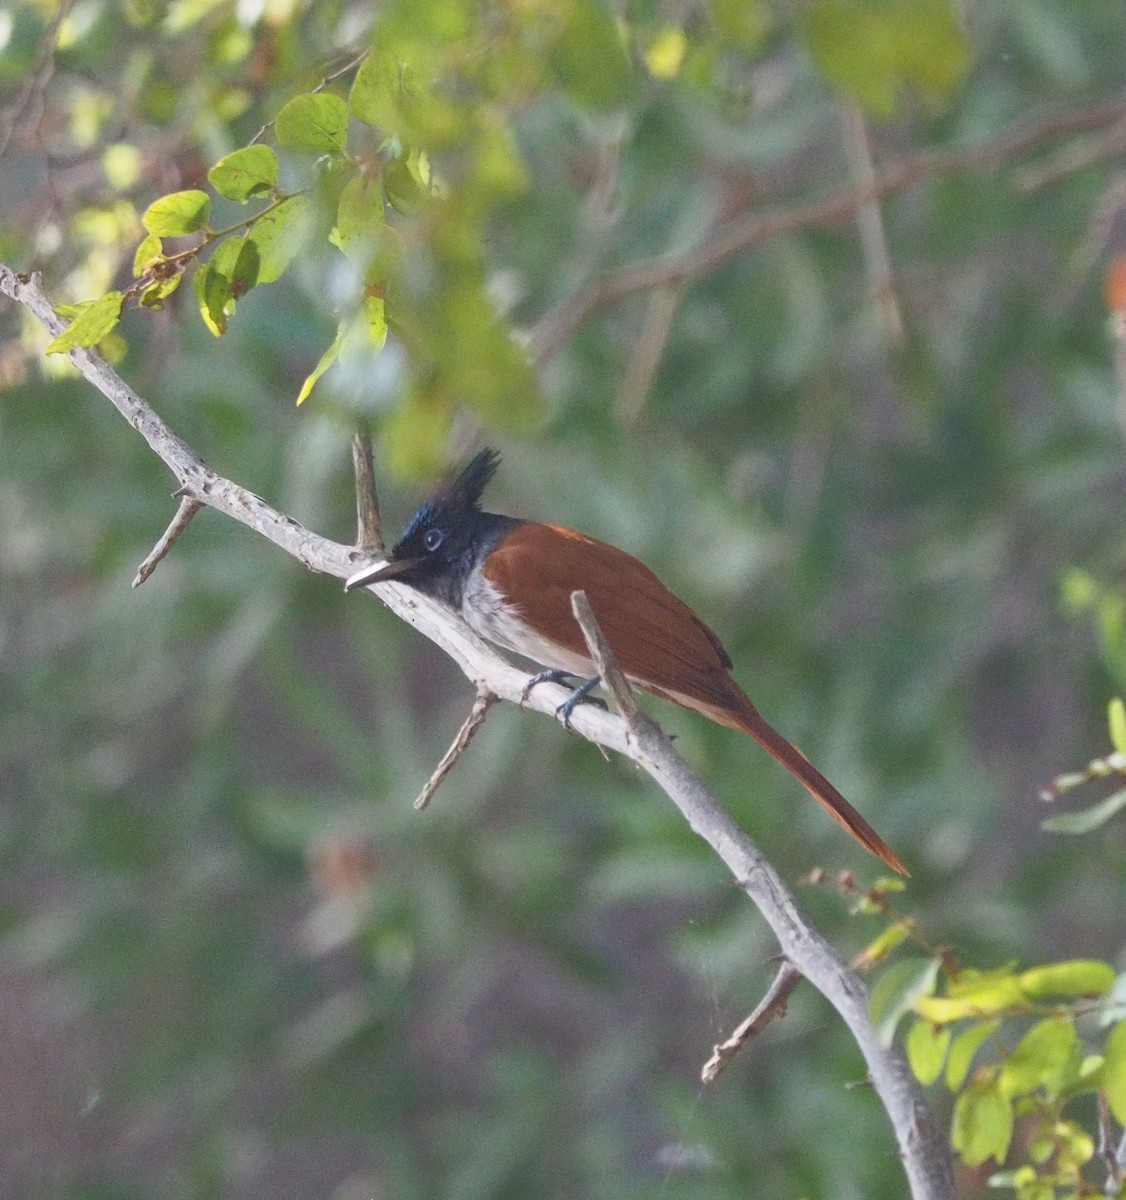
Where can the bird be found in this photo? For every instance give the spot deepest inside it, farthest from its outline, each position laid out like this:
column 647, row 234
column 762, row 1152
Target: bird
column 511, row 581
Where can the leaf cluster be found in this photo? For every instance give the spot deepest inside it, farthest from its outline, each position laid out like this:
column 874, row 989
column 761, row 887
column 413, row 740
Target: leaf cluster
column 1017, row 1049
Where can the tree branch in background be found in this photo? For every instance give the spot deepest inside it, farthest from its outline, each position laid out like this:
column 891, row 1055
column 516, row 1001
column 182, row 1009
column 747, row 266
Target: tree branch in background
column 870, row 222
column 35, row 83
column 647, row 353
column 1075, row 156
column 922, row 1146
column 735, row 237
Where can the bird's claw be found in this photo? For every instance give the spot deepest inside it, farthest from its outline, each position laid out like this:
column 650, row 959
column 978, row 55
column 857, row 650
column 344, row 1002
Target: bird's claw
column 580, row 693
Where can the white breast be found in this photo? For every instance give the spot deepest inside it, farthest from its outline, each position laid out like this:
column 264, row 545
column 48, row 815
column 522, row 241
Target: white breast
column 488, row 615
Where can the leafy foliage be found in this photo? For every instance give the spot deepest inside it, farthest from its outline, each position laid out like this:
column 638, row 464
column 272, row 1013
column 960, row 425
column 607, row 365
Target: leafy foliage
column 1033, row 1073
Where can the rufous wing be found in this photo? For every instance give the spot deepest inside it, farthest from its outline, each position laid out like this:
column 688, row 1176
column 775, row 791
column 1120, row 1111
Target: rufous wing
column 659, row 641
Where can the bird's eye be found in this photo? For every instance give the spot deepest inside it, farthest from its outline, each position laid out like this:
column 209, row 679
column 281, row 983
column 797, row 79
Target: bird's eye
column 433, row 539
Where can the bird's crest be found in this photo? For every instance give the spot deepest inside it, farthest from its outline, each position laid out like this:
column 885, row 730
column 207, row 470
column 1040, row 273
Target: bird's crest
column 466, row 490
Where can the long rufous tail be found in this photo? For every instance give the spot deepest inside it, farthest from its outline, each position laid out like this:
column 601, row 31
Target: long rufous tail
column 747, row 718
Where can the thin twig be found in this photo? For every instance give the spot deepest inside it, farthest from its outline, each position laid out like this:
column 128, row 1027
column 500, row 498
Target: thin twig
column 646, row 357
column 1108, row 1152
column 870, row 221
column 735, row 237
column 481, row 705
column 35, row 84
column 1075, row 157
column 605, row 660
column 189, row 507
column 772, row 1005
column 369, row 526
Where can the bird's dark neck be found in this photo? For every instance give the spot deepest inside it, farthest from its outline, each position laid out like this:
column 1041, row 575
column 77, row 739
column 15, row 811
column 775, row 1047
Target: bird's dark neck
column 486, row 532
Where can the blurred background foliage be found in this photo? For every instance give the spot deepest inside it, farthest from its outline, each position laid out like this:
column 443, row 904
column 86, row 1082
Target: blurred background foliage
column 880, row 452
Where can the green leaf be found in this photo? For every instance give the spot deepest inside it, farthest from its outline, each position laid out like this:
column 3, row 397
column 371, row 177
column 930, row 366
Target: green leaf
column 873, row 49
column 429, row 23
column 396, row 92
column 245, row 173
column 1079, row 590
column 326, row 360
column 373, row 319
column 741, row 24
column 498, row 169
column 1114, row 1072
column 1025, row 1182
column 1074, row 1146
column 898, row 990
column 971, row 980
column 415, row 433
column 237, row 259
column 225, row 256
column 377, row 81
column 278, row 235
column 314, row 123
column 1086, row 819
column 985, row 998
column 881, row 946
column 93, row 320
column 247, row 267
column 1078, row 977
column 588, row 58
column 983, row 1122
column 366, row 330
column 151, row 250
column 927, row 1045
column 177, row 213
column 156, row 293
column 475, row 353
column 1048, row 1055
column 407, row 182
column 360, row 219
column 1116, row 718
column 213, row 290
column 962, row 1051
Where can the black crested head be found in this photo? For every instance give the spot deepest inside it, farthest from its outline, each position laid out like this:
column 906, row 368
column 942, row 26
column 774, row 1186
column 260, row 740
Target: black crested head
column 449, row 534
column 466, row 490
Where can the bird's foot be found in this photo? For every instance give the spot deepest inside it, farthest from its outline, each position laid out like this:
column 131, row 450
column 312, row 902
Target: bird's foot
column 579, row 695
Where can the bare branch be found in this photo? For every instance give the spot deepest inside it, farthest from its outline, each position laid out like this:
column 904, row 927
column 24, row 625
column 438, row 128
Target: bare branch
column 870, row 221
column 735, row 237
column 35, row 83
column 772, row 1005
column 1111, row 1154
column 921, row 1143
column 1075, row 156
column 369, row 526
column 189, row 506
column 481, row 705
column 646, row 357
column 604, row 658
